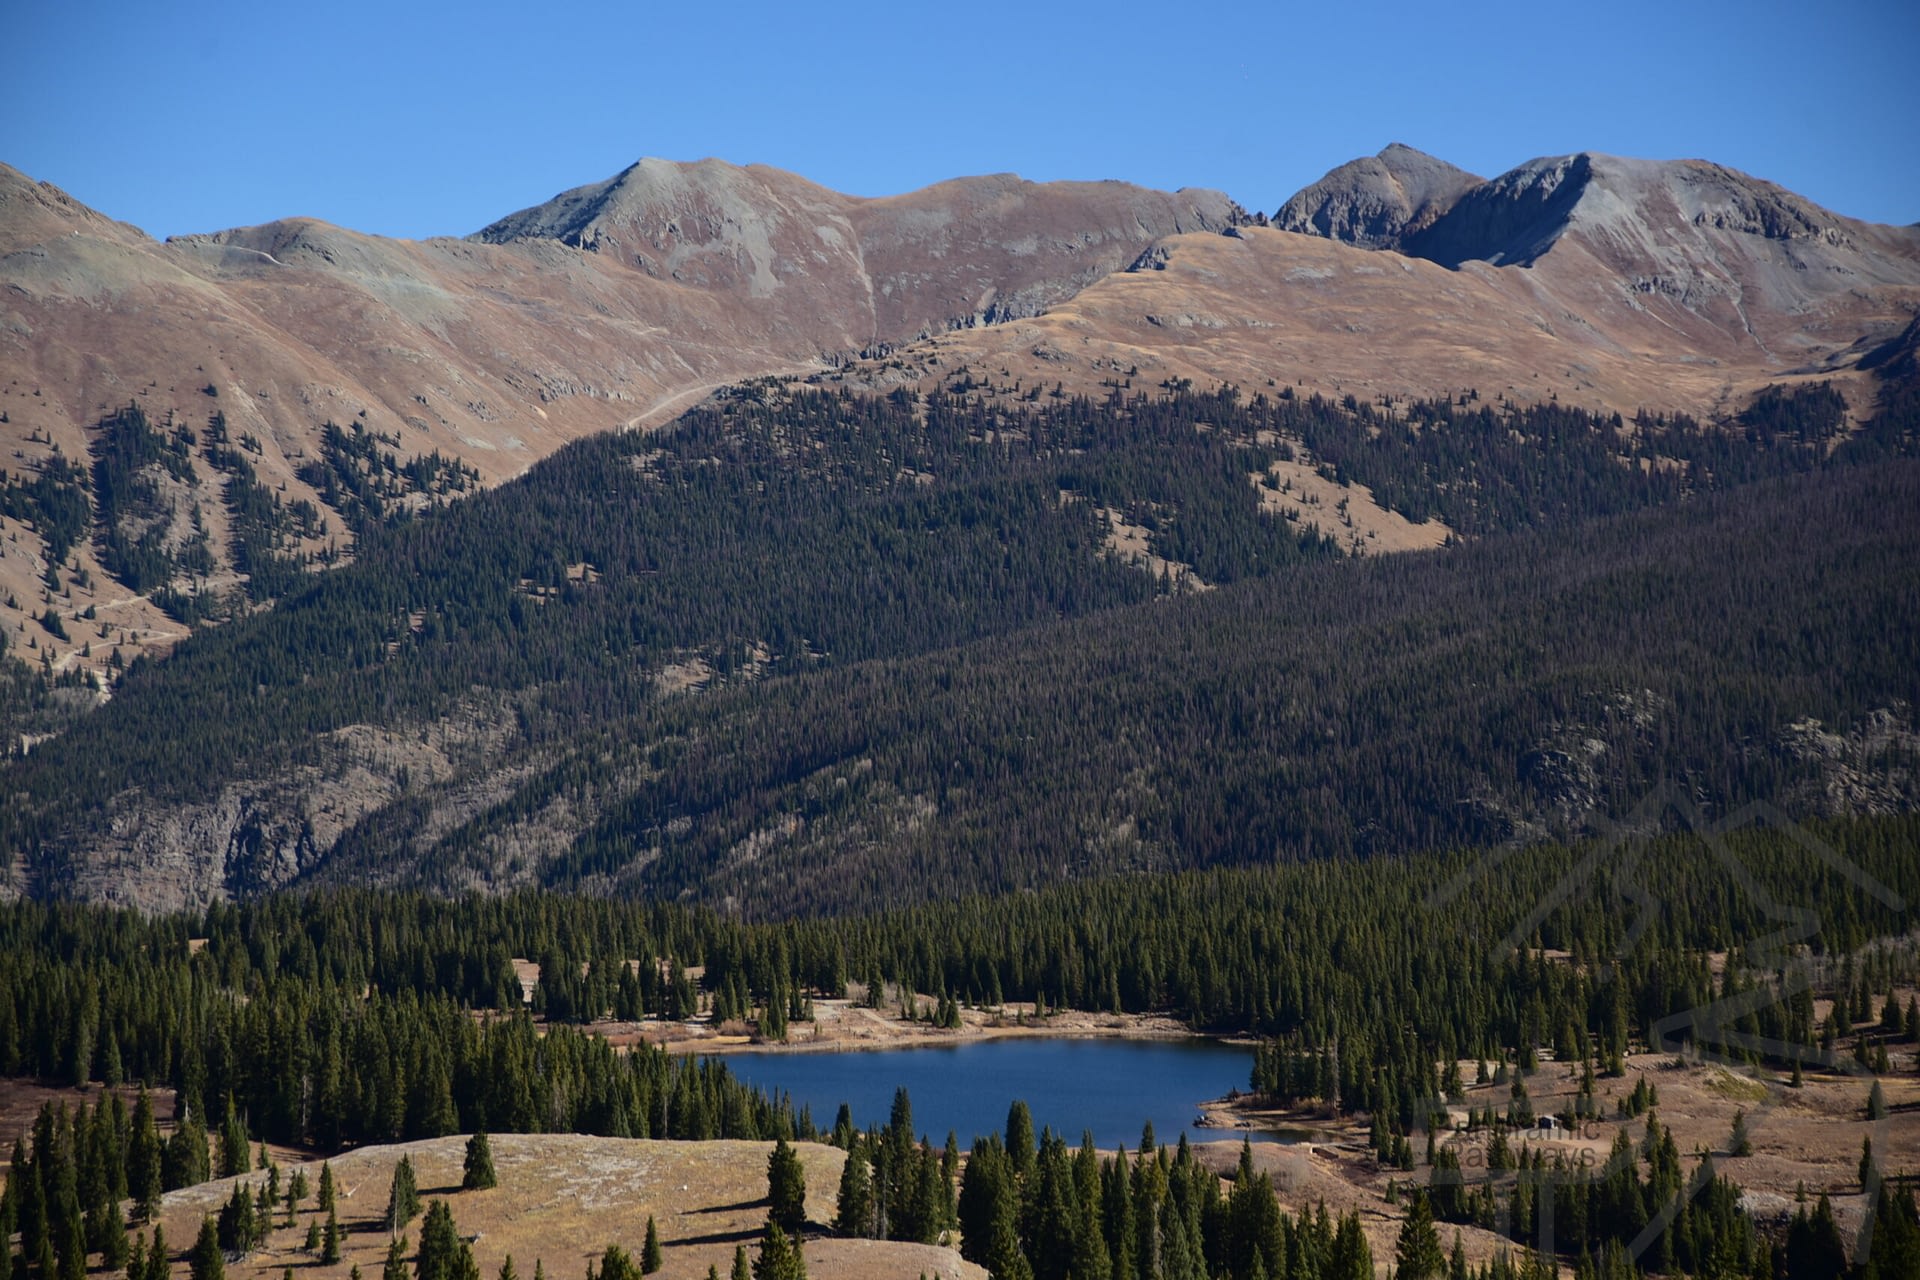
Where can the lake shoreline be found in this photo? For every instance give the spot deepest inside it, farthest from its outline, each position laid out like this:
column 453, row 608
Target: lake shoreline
column 1110, row 1085
column 843, row 1026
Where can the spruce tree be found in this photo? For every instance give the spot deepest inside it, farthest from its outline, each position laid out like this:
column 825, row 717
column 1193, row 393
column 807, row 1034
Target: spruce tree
column 143, row 1159
column 1893, row 1253
column 207, row 1261
column 296, row 1192
column 786, row 1188
column 478, row 1175
column 236, row 1225
column 236, row 1153
column 1418, row 1254
column 1020, row 1148
column 396, row 1266
column 650, row 1259
column 780, row 1258
column 440, row 1245
column 330, row 1239
column 616, row 1264
column 853, row 1214
column 403, row 1198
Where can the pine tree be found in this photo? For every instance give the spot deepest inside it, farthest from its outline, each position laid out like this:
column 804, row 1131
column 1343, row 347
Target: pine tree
column 326, row 1192
column 741, row 1270
column 396, row 1266
column 617, row 1264
column 854, row 1205
column 506, row 1270
column 786, row 1189
column 236, row 1229
column 780, row 1258
column 1739, row 1142
column 440, row 1245
column 1020, row 1145
column 1352, row 1256
column 650, row 1256
column 403, row 1198
column 330, row 1239
column 1876, row 1102
column 236, row 1153
column 1418, row 1254
column 207, row 1261
column 143, row 1159
column 159, row 1266
column 479, row 1173
column 1893, row 1253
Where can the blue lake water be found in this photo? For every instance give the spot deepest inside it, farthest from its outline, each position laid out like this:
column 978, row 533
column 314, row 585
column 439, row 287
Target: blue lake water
column 1111, row 1087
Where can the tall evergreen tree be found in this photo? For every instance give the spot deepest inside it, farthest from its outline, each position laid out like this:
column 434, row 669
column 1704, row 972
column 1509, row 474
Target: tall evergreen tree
column 651, row 1258
column 478, row 1172
column 207, row 1261
column 440, row 1245
column 1418, row 1255
column 159, row 1265
column 780, row 1258
column 786, row 1189
column 853, row 1214
column 403, row 1199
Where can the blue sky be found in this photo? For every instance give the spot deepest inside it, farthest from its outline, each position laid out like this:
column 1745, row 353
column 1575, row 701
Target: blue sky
column 423, row 119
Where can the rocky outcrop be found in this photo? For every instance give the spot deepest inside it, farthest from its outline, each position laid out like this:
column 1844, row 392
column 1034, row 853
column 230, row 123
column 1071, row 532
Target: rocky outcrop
column 267, row 833
column 970, row 251
column 1591, row 279
column 1376, row 202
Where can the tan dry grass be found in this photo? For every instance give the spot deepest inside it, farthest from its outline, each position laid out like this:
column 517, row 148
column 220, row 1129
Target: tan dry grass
column 1809, row 1135
column 562, row 1199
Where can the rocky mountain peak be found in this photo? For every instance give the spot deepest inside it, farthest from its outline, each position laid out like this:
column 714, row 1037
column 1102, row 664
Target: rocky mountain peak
column 1377, row 201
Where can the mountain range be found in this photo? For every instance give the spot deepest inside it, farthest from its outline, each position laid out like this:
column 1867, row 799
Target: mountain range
column 1596, row 281
column 969, row 438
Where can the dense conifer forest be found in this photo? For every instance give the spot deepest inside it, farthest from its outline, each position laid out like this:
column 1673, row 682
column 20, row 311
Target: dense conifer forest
column 903, row 609
column 331, row 1019
column 950, row 748
column 1313, row 956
